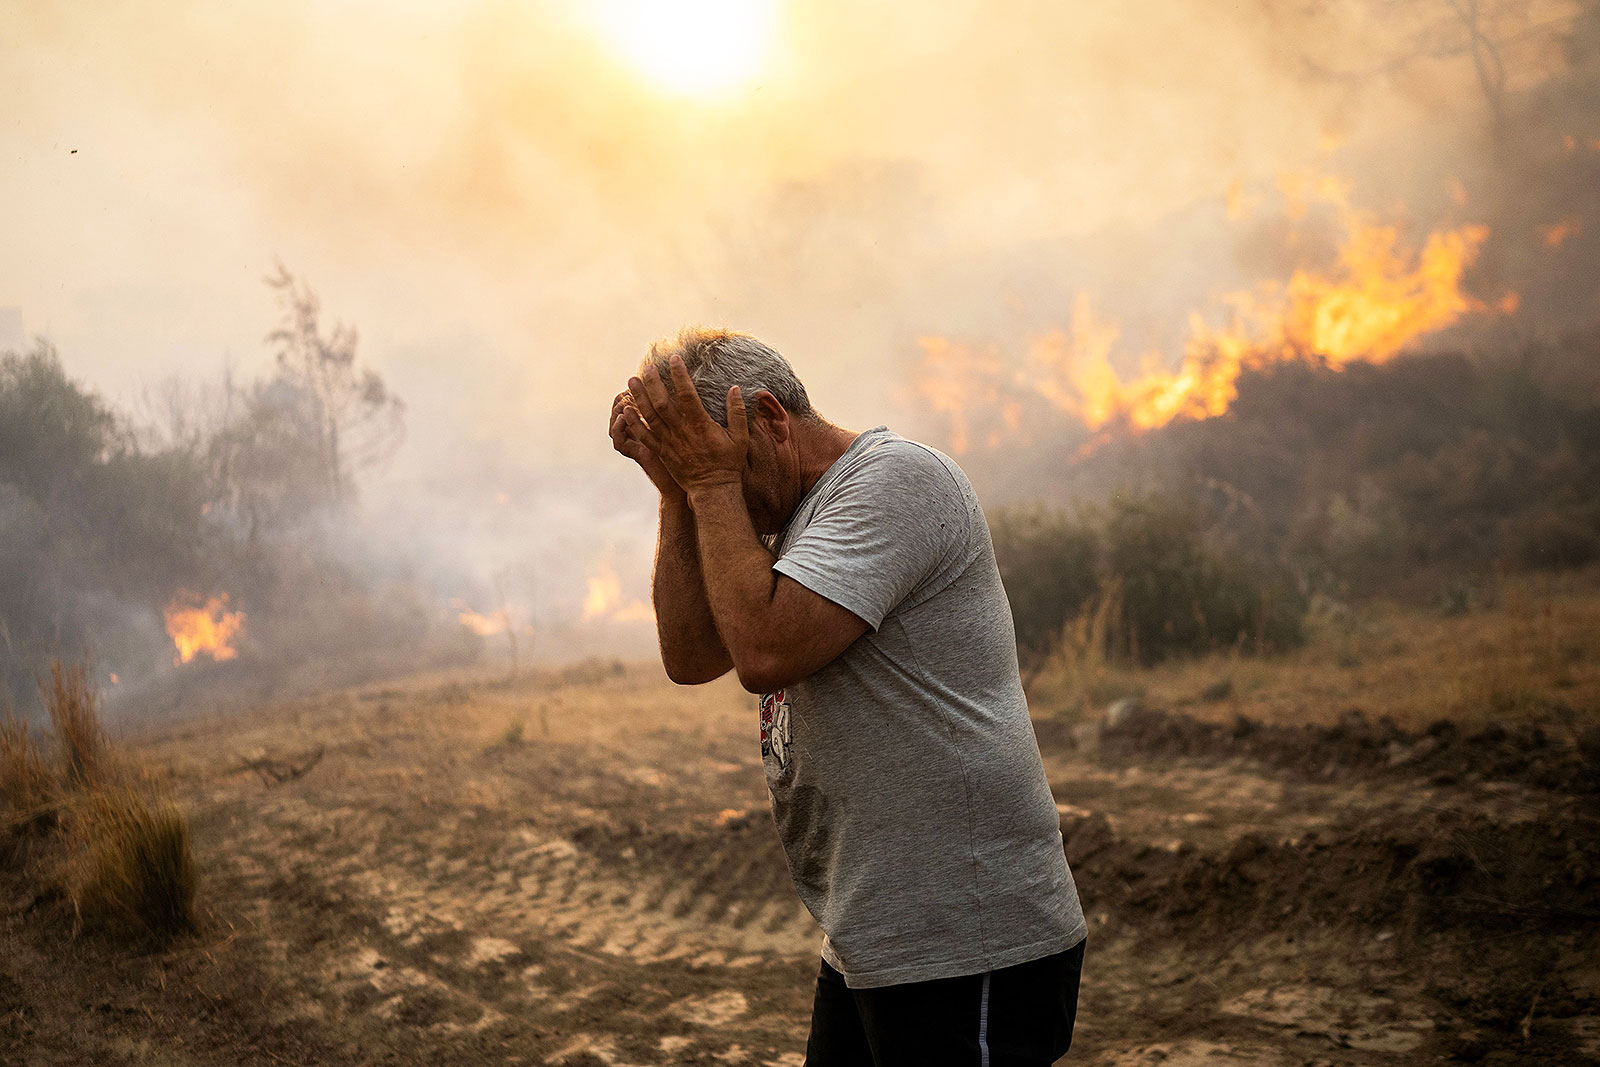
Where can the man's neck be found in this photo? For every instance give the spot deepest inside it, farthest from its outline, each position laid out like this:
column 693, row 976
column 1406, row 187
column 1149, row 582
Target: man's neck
column 819, row 444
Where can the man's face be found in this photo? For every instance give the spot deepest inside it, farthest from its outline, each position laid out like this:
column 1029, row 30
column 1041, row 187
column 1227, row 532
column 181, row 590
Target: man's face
column 771, row 474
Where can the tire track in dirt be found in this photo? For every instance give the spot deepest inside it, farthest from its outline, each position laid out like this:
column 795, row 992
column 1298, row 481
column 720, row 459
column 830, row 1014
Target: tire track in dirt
column 510, row 926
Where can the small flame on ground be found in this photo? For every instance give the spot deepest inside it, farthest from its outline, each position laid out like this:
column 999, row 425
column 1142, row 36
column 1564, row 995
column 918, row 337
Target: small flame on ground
column 1379, row 298
column 604, row 600
column 483, row 625
column 202, row 628
column 1554, row 235
column 114, row 679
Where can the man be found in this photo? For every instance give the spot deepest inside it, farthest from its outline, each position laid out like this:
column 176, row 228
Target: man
column 849, row 579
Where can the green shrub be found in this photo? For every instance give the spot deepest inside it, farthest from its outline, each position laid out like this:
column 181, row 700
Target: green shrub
column 1148, row 573
column 1182, row 596
column 1554, row 540
column 1050, row 564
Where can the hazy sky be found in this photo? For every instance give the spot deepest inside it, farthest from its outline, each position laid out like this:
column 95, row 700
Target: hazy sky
column 509, row 203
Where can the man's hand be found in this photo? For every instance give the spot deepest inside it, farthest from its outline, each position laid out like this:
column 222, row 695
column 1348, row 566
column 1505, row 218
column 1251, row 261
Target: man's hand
column 624, row 441
column 696, row 452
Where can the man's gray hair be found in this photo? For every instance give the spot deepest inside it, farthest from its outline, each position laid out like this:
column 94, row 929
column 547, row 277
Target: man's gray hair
column 717, row 360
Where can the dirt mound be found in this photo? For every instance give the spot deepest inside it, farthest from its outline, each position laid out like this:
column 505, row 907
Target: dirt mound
column 1546, row 757
column 1457, row 873
column 1440, row 889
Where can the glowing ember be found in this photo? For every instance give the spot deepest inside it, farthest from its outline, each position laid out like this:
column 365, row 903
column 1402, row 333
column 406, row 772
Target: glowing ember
column 203, row 628
column 604, row 600
column 1377, row 299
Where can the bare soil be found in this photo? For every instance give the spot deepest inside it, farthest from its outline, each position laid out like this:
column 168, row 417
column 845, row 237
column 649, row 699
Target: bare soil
column 579, row 869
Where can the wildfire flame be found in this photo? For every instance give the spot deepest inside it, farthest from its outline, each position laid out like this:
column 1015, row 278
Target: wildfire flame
column 202, row 628
column 1554, row 235
column 483, row 625
column 604, row 600
column 1378, row 298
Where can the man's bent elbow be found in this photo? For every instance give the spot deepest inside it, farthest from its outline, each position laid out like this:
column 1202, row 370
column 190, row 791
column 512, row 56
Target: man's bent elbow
column 763, row 674
column 693, row 673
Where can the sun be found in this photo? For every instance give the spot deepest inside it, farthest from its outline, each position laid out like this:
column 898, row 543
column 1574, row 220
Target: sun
column 691, row 47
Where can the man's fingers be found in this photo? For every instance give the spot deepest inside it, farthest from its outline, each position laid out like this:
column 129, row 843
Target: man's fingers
column 655, row 391
column 638, row 429
column 683, row 387
column 641, row 400
column 635, row 451
column 738, row 425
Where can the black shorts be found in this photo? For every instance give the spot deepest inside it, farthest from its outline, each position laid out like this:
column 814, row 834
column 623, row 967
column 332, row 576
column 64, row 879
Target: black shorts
column 1018, row 1016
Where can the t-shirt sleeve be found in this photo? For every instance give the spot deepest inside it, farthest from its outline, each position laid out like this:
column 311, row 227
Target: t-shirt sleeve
column 885, row 529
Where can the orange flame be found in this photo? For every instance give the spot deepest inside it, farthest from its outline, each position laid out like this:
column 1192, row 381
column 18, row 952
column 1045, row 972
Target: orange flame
column 1553, row 236
column 604, row 600
column 207, row 628
column 483, row 625
column 1377, row 299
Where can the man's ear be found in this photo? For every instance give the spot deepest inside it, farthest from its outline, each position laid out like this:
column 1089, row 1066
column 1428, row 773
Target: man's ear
column 772, row 415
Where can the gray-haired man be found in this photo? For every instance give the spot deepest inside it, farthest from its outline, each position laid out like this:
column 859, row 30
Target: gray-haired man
column 850, row 580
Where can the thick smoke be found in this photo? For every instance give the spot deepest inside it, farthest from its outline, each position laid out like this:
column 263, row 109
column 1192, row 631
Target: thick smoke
column 510, row 214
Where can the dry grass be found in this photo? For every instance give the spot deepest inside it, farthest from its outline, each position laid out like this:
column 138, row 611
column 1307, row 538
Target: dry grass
column 85, row 825
column 131, row 870
column 1080, row 676
column 27, row 793
column 1533, row 653
column 74, row 708
column 25, row 782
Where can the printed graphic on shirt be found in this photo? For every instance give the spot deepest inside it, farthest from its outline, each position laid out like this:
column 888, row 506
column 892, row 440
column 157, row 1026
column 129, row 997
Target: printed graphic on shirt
column 775, row 727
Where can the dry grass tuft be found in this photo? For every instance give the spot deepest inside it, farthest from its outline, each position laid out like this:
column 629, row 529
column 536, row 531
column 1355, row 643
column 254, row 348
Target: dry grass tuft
column 27, row 793
column 74, row 708
column 1080, row 676
column 89, row 827
column 25, row 785
column 131, row 870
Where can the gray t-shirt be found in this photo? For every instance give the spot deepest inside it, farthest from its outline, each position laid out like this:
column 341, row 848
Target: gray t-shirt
column 905, row 778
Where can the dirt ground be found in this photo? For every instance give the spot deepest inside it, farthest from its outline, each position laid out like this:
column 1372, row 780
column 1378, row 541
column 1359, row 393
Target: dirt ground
column 579, row 869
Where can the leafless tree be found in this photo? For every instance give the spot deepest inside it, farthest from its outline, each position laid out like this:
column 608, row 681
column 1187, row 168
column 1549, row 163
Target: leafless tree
column 1498, row 37
column 358, row 422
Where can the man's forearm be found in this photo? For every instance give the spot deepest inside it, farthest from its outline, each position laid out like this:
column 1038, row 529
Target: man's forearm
column 739, row 580
column 691, row 649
